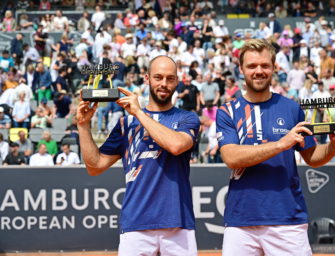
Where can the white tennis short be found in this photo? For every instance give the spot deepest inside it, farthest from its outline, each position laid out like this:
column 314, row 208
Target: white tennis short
column 167, row 242
column 282, row 240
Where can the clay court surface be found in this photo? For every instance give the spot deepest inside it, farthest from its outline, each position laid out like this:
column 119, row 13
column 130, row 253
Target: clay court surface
column 204, row 253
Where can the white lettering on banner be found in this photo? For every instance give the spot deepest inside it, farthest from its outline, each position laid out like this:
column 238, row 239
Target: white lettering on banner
column 29, row 200
column 60, row 199
column 40, row 222
column 74, row 200
column 116, row 194
column 101, row 195
column 198, row 201
column 220, row 199
column 9, row 200
column 59, row 203
column 90, row 222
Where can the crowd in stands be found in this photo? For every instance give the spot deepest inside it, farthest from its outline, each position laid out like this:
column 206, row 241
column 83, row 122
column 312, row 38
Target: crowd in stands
column 40, row 83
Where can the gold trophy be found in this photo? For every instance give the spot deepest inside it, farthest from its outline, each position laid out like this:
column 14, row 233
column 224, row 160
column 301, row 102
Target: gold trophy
column 93, row 93
column 311, row 107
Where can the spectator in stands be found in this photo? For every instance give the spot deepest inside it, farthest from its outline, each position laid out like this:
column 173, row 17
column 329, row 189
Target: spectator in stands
column 273, row 24
column 118, row 23
column 165, row 22
column 25, row 145
column 141, row 32
column 61, row 82
column 280, row 12
column 220, row 31
column 47, row 109
column 50, row 143
column 21, row 112
column 45, row 5
column 296, row 77
column 190, row 95
column 210, row 92
column 212, row 152
column 44, row 82
column 6, row 61
column 327, row 63
column 207, row 34
column 328, row 80
column 311, row 10
column 64, row 45
column 22, row 5
column 60, row 22
column 276, row 87
column 47, row 23
column 41, row 158
column 16, row 48
column 285, row 40
column 83, row 23
column 40, row 40
column 157, row 51
column 5, row 121
column 232, row 91
column 4, row 148
column 62, row 104
column 25, row 24
column 23, row 87
column 30, row 55
column 31, row 78
column 10, row 82
column 67, row 157
column 264, row 31
column 15, row 157
column 128, row 48
column 40, row 120
column 8, row 23
column 283, row 64
column 98, row 18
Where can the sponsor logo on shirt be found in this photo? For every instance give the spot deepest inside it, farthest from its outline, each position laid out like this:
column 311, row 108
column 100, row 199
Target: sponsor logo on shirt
column 280, row 121
column 219, row 136
column 279, row 130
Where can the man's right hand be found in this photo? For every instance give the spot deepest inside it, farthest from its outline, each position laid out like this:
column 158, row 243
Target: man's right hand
column 84, row 112
column 294, row 136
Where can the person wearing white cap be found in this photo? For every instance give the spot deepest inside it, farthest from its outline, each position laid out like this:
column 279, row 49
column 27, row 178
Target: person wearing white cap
column 128, row 48
column 324, row 33
column 221, row 30
column 304, row 49
column 274, row 25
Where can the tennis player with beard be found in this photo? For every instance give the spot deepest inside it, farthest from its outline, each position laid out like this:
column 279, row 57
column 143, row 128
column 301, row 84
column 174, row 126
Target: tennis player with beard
column 155, row 145
column 258, row 134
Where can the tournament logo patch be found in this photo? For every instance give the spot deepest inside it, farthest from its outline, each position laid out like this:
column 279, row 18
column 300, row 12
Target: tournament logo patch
column 175, row 125
column 316, row 180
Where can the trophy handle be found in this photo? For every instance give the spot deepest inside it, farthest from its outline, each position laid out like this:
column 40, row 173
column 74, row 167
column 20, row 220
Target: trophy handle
column 330, row 117
column 314, row 116
column 110, row 81
column 96, row 81
column 89, row 81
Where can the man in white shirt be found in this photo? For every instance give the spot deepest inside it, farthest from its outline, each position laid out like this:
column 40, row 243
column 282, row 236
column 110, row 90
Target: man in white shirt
column 30, row 55
column 187, row 58
column 41, row 158
column 283, row 63
column 199, row 52
column 128, row 48
column 157, row 51
column 98, row 17
column 60, row 22
column 23, row 87
column 67, row 157
column 142, row 53
column 220, row 31
column 328, row 79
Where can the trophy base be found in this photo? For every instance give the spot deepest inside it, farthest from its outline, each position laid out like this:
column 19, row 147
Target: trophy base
column 321, row 128
column 101, row 95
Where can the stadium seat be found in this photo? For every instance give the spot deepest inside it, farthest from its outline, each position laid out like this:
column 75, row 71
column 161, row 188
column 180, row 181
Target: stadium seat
column 35, row 134
column 57, row 134
column 232, row 16
column 33, row 105
column 13, row 133
column 323, row 230
column 4, row 132
column 69, row 140
column 59, row 124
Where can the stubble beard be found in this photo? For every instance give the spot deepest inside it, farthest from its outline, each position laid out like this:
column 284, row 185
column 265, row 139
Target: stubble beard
column 158, row 100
